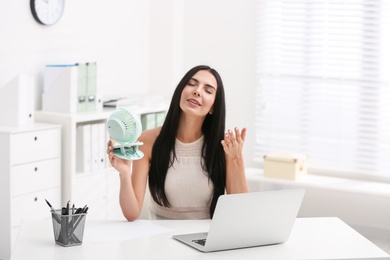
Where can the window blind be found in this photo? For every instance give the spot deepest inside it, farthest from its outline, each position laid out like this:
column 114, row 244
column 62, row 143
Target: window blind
column 323, row 71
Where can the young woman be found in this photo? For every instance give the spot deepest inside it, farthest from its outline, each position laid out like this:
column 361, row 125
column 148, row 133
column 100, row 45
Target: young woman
column 188, row 162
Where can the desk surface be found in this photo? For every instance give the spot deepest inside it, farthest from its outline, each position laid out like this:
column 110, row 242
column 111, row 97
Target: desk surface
column 311, row 238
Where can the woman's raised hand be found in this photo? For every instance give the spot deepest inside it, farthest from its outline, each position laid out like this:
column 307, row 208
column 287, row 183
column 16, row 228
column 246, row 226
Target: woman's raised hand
column 233, row 143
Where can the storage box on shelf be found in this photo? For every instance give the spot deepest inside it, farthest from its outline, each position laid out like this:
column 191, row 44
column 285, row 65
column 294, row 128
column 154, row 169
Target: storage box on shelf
column 87, row 177
column 285, row 166
column 30, row 167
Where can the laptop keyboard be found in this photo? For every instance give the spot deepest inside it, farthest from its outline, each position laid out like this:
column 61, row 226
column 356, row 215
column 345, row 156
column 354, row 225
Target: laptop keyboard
column 201, row 242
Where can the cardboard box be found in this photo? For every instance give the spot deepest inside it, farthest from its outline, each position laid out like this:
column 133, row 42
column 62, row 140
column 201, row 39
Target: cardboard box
column 285, row 166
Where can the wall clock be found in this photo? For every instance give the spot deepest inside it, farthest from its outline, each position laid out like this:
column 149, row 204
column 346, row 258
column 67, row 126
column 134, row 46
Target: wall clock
column 47, row 12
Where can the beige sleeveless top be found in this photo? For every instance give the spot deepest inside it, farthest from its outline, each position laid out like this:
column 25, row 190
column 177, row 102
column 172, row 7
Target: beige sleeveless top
column 187, row 186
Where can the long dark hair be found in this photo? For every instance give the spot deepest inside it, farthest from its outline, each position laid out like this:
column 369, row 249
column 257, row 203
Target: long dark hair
column 212, row 151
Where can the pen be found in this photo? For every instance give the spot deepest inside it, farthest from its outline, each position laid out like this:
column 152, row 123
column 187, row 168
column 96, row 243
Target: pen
column 80, row 210
column 52, row 209
column 72, row 220
column 56, row 217
column 77, row 222
column 64, row 223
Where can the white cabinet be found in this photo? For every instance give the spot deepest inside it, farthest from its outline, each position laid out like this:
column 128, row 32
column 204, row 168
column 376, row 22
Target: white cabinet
column 98, row 187
column 30, row 172
column 81, row 187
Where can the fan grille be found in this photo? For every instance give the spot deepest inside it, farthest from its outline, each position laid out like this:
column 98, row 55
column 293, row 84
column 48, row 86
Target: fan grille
column 124, row 125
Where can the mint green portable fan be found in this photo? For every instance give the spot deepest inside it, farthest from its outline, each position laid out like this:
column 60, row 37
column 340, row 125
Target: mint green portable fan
column 124, row 126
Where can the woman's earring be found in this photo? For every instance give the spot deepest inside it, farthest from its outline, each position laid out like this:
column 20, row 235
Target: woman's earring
column 211, row 111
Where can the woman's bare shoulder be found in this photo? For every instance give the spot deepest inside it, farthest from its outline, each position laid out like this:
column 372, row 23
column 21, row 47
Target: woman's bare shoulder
column 148, row 137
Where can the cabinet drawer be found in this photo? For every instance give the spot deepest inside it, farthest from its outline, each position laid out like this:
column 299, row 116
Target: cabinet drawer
column 34, row 146
column 35, row 176
column 33, row 205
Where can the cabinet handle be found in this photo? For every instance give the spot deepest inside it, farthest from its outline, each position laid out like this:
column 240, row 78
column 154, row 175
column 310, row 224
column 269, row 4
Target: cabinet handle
column 36, row 199
column 36, row 169
column 35, row 138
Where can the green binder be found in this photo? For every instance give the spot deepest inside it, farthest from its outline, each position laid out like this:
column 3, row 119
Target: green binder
column 82, row 87
column 91, row 85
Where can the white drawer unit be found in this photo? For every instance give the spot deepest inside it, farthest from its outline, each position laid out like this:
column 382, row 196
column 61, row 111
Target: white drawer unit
column 30, row 172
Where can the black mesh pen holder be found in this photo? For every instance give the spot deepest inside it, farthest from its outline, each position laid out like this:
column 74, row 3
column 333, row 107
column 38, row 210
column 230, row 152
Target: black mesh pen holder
column 68, row 229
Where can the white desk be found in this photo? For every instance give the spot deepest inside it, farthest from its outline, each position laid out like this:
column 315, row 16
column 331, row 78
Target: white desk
column 311, row 238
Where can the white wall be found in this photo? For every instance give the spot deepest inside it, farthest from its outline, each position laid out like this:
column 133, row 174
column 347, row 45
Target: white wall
column 218, row 33
column 140, row 47
column 115, row 34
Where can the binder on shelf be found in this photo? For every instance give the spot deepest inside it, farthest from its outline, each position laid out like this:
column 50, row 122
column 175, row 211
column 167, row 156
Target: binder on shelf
column 152, row 120
column 91, row 86
column 91, row 147
column 148, row 121
column 82, row 87
column 83, row 148
column 103, row 135
column 70, row 88
column 60, row 88
column 17, row 101
column 95, row 147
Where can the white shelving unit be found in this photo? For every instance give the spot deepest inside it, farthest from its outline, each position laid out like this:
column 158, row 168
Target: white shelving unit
column 99, row 189
column 30, row 167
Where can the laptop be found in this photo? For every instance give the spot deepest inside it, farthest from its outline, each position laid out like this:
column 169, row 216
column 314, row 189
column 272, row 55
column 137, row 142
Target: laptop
column 249, row 220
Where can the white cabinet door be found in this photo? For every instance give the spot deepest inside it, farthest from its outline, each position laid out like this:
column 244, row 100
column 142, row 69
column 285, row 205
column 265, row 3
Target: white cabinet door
column 90, row 190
